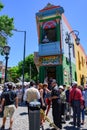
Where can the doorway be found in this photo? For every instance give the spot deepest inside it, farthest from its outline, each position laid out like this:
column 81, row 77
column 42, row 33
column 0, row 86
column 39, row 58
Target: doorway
column 51, row 72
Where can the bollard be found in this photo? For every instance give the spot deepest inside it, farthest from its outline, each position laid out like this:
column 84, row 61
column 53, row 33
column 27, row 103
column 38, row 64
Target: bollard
column 34, row 115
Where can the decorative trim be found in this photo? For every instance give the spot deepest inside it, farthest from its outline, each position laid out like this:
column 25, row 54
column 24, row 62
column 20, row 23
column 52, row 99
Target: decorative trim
column 49, row 24
column 48, row 19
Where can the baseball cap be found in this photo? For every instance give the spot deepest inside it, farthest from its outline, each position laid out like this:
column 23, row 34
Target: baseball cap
column 74, row 83
column 61, row 87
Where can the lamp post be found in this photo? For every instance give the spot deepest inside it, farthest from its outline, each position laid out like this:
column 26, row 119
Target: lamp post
column 6, row 50
column 24, row 50
column 68, row 41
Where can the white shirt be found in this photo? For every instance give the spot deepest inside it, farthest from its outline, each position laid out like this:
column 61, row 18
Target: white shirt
column 31, row 94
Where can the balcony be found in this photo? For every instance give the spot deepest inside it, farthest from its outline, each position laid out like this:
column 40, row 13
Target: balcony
column 47, row 49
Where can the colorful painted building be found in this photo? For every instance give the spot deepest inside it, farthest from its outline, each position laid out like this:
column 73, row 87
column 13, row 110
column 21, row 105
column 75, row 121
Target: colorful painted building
column 53, row 55
column 81, row 65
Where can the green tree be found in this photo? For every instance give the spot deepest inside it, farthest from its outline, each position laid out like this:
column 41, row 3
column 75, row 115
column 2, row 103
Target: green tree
column 29, row 61
column 13, row 74
column 6, row 27
column 1, row 6
column 16, row 72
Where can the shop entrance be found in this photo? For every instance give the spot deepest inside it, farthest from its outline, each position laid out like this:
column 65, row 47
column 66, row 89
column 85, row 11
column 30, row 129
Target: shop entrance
column 51, row 72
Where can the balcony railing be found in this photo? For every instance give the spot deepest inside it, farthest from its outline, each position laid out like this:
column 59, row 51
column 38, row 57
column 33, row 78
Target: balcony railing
column 46, row 49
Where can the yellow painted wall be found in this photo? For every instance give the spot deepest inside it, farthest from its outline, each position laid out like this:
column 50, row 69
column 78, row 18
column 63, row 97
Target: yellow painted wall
column 81, row 67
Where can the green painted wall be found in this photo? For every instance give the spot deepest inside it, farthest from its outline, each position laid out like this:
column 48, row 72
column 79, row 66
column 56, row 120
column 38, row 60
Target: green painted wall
column 42, row 72
column 59, row 74
column 58, row 32
column 66, row 68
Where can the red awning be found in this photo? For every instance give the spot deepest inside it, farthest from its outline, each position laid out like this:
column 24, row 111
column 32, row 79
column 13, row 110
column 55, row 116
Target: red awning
column 49, row 24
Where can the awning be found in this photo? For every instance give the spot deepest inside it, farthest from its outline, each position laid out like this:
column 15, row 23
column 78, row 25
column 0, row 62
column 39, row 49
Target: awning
column 49, row 24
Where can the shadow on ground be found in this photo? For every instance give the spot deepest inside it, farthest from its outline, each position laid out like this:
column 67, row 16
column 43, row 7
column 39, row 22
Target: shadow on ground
column 5, row 129
column 23, row 113
column 50, row 129
column 72, row 128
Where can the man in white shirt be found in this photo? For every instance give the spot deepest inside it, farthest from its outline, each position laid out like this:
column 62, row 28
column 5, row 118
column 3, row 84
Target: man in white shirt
column 31, row 94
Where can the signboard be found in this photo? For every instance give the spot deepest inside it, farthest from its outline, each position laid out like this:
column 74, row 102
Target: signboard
column 50, row 60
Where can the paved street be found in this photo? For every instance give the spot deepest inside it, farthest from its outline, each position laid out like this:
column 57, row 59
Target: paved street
column 21, row 121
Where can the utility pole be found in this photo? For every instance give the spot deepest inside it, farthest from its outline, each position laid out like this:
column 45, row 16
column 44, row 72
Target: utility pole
column 30, row 71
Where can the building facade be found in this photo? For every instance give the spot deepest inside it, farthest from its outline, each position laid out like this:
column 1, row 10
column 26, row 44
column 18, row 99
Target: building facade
column 53, row 53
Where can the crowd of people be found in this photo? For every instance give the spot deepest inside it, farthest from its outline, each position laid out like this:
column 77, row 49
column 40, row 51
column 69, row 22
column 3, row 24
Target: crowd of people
column 66, row 101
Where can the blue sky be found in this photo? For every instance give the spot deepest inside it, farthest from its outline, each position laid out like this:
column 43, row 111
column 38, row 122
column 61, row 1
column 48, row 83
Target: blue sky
column 23, row 12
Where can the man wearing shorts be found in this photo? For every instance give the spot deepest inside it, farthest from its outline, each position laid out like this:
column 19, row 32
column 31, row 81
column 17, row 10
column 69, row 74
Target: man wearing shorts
column 9, row 101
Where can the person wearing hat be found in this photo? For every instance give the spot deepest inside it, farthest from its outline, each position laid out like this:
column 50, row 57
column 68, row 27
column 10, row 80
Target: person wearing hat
column 75, row 100
column 56, row 104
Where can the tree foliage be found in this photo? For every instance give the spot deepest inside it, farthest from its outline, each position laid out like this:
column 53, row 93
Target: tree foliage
column 29, row 68
column 13, row 74
column 6, row 27
column 1, row 6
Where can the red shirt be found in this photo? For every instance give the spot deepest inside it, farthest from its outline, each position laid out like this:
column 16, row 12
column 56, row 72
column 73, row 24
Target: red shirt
column 75, row 94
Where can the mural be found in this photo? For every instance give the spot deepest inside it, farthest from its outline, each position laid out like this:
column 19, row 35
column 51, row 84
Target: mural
column 50, row 60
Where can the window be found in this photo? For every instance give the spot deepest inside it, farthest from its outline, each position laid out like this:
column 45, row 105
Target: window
column 75, row 76
column 79, row 62
column 50, row 33
column 82, row 61
column 67, row 60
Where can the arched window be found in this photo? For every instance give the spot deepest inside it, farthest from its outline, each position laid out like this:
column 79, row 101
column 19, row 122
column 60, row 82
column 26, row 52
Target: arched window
column 49, row 31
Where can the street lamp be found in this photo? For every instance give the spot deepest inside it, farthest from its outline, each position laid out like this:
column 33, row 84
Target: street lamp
column 6, row 50
column 24, row 50
column 68, row 41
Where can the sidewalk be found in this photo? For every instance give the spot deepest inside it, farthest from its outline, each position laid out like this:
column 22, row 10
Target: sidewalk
column 21, row 121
